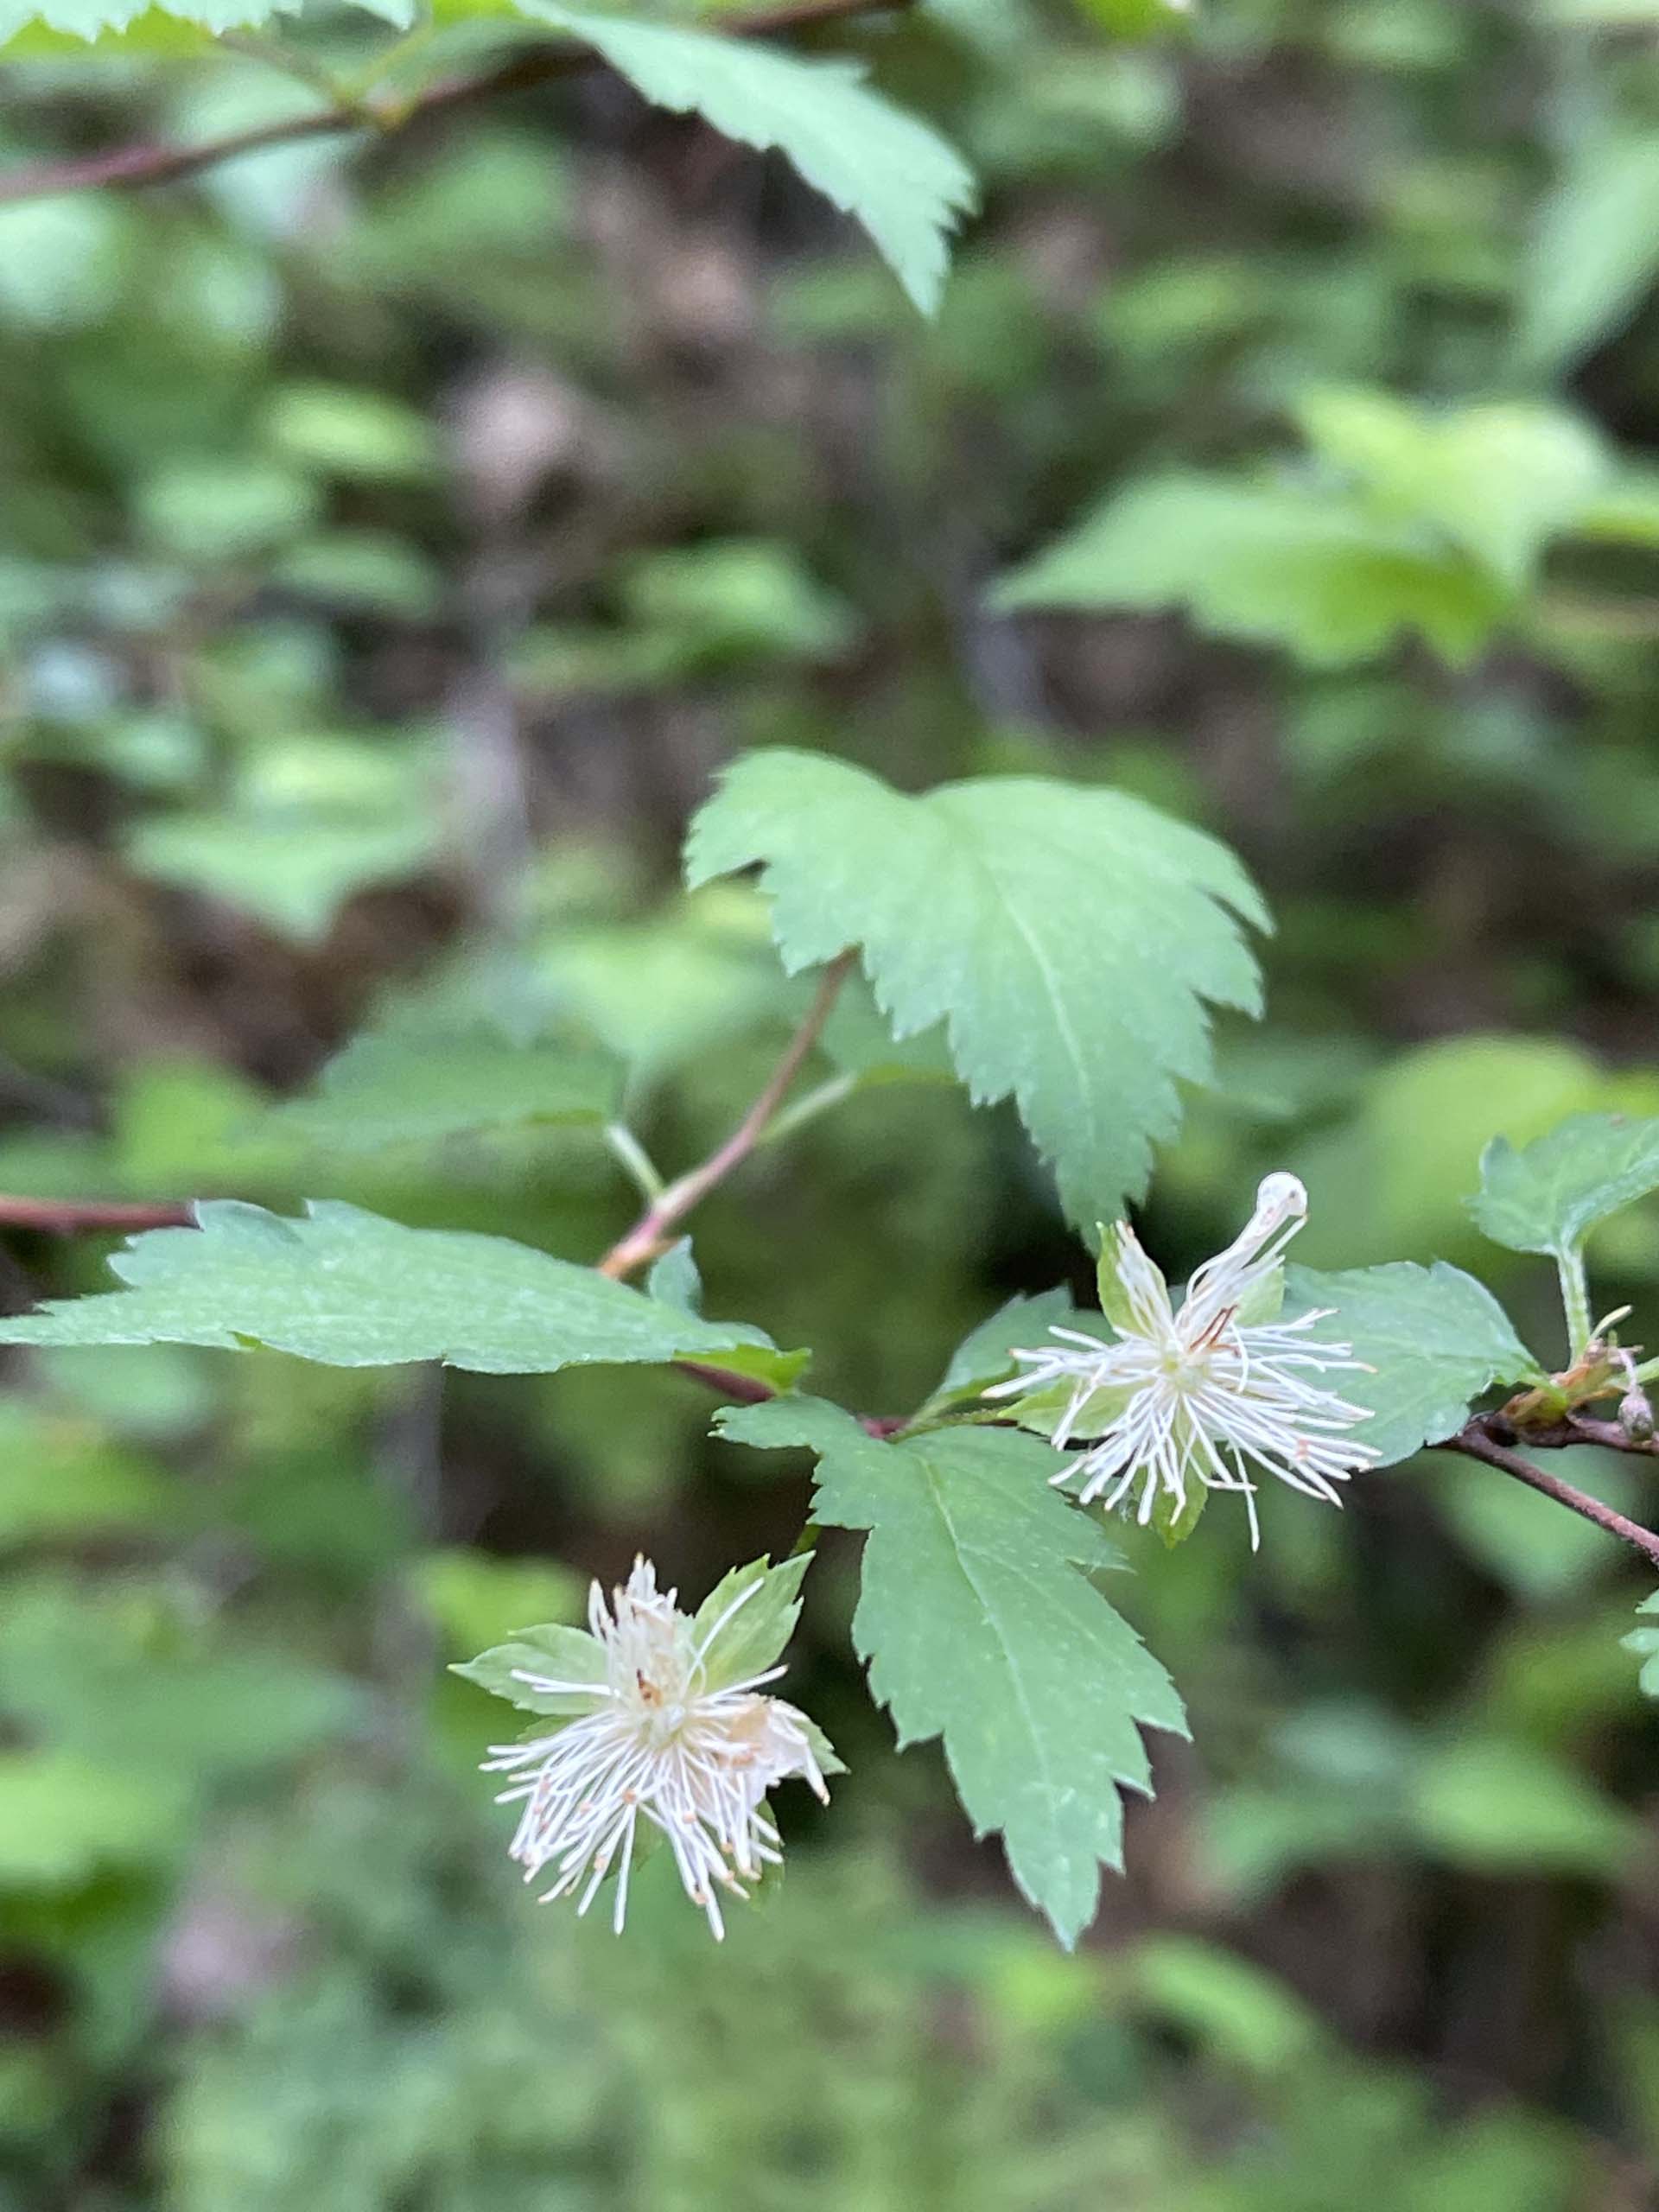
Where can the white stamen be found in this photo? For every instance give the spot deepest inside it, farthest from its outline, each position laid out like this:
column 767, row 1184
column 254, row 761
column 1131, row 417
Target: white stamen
column 655, row 1743
column 1208, row 1397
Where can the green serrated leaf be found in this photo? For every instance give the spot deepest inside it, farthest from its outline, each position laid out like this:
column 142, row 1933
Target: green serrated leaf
column 153, row 32
column 978, row 1627
column 382, row 1090
column 1436, row 1339
column 895, row 175
column 1070, row 938
column 87, row 19
column 756, row 1629
column 552, row 1653
column 1550, row 1195
column 351, row 1289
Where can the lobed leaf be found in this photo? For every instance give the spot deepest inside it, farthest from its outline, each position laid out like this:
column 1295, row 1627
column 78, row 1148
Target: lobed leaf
column 894, row 174
column 1550, row 1194
column 351, row 1289
column 1071, row 940
column 87, row 19
column 1436, row 1339
column 978, row 1626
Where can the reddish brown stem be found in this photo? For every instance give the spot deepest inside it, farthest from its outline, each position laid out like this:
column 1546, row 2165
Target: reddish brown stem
column 127, row 167
column 1476, row 1441
column 652, row 1232
column 75, row 1216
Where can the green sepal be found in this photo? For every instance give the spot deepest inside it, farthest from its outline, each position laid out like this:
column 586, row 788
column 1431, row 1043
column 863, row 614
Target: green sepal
column 560, row 1652
column 781, row 1370
column 1114, row 1298
column 1175, row 1524
column 754, row 1637
column 822, row 1750
column 1040, row 1411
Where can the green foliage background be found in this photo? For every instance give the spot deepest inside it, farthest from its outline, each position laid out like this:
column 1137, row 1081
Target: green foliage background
column 394, row 542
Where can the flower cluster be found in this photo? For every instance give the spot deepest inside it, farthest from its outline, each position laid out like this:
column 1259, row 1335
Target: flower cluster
column 655, row 1739
column 1214, row 1391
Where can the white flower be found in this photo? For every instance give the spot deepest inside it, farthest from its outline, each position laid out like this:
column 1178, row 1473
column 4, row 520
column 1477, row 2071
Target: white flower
column 657, row 1744
column 1212, row 1391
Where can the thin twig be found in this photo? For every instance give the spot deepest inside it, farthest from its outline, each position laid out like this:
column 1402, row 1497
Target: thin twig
column 650, row 1234
column 1477, row 1443
column 77, row 1217
column 127, row 167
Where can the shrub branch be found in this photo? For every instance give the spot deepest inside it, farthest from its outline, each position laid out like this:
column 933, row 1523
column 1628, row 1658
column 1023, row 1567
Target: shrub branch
column 130, row 167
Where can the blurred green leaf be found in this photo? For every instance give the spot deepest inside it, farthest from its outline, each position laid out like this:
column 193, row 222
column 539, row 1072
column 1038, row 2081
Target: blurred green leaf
column 1136, row 18
column 1232, row 2007
column 58, row 258
column 64, row 1478
column 366, row 570
column 1549, row 1196
column 309, row 824
column 1505, row 1807
column 1285, row 563
column 363, row 436
column 1595, row 254
column 208, row 511
column 477, row 1599
column 382, row 1090
column 1644, row 1641
column 1498, row 481
column 1394, row 1179
column 64, row 1818
column 737, row 599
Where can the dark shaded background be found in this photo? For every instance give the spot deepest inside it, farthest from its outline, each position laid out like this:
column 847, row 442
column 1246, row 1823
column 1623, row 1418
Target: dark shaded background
column 392, row 544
